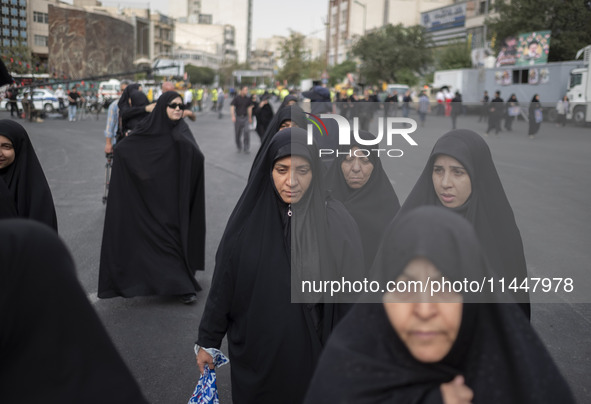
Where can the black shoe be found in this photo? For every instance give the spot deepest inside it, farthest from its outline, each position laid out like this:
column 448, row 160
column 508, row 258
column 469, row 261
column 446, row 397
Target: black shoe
column 188, row 298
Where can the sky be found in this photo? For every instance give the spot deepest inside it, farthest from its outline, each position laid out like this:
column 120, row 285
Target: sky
column 270, row 17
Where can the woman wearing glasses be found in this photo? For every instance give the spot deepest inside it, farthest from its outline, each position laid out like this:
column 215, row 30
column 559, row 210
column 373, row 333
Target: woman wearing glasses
column 154, row 235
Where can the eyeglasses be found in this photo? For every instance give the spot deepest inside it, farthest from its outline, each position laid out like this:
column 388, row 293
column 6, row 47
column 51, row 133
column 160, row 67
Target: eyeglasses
column 176, row 105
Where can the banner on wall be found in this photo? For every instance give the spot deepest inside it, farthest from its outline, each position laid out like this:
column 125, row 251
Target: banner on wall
column 533, row 48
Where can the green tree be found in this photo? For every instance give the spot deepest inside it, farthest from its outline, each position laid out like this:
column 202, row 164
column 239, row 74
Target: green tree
column 293, row 55
column 453, row 56
column 338, row 72
column 200, row 75
column 568, row 20
column 23, row 61
column 394, row 54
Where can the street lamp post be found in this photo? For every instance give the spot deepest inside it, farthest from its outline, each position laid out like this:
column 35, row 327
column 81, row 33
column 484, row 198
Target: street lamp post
column 364, row 14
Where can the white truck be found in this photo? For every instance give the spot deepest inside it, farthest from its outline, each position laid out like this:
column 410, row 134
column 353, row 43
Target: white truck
column 550, row 81
column 579, row 90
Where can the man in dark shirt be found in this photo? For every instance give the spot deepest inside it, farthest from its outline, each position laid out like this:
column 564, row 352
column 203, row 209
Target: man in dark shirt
column 73, row 98
column 241, row 112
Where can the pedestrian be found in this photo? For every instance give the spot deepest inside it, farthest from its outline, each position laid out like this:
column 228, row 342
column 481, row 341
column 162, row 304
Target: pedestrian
column 391, row 105
column 512, row 110
column 188, row 97
column 24, row 191
column 221, row 99
column 424, row 107
column 461, row 176
column 60, row 95
column 406, row 100
column 440, row 98
column 154, row 233
column 58, row 345
column 436, row 346
column 136, row 109
column 483, row 116
column 264, row 114
column 214, row 99
column 535, row 116
column 282, row 231
column 448, row 98
column 112, row 127
column 359, row 181
column 495, row 113
column 562, row 109
column 456, row 108
column 73, row 98
column 12, row 94
column 290, row 99
column 241, row 113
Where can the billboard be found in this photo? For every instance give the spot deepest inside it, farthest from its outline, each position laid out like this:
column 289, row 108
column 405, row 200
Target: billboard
column 533, row 48
column 526, row 49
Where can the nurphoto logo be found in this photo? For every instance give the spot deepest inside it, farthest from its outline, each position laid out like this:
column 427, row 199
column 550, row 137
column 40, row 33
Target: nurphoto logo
column 388, row 127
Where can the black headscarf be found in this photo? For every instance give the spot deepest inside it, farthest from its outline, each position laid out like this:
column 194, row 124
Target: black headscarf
column 287, row 99
column 373, row 206
column 488, row 208
column 124, row 99
column 5, row 77
column 496, row 349
column 292, row 113
column 154, row 236
column 24, row 191
column 274, row 344
column 57, row 350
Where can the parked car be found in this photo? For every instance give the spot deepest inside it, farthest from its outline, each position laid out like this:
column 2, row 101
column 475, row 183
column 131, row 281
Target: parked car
column 43, row 99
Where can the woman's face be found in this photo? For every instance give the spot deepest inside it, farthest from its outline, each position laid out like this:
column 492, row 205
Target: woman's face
column 356, row 169
column 292, row 176
column 176, row 113
column 451, row 181
column 427, row 324
column 7, row 153
column 287, row 124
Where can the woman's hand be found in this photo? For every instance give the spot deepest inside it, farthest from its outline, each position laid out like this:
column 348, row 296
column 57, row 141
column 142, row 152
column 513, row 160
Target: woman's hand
column 456, row 391
column 203, row 358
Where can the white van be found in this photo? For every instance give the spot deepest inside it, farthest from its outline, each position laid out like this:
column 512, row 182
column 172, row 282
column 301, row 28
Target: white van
column 109, row 89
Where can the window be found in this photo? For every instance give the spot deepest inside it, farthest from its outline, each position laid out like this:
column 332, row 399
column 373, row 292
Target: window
column 15, row 32
column 23, row 24
column 6, row 42
column 5, row 21
column 14, row 22
column 24, row 34
column 6, row 32
column 40, row 40
column 40, row 17
column 575, row 80
column 14, row 12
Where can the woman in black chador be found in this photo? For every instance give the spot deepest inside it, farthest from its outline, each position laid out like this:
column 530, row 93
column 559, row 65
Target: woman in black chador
column 362, row 185
column 461, row 176
column 55, row 350
column 154, row 236
column 437, row 348
column 535, row 116
column 24, row 191
column 282, row 231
